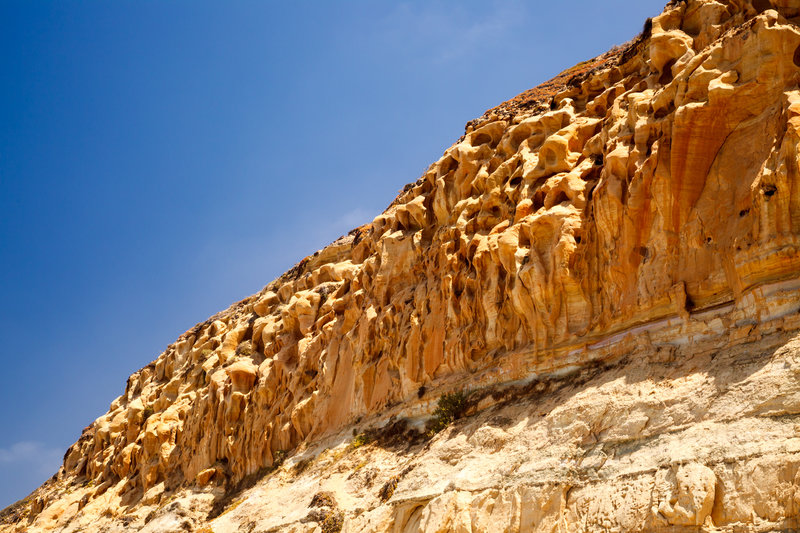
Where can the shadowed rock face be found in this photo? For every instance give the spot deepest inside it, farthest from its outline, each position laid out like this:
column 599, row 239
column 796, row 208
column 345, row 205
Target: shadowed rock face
column 647, row 202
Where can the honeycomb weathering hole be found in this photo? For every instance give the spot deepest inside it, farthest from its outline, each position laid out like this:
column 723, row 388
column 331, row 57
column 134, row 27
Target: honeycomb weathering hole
column 762, row 5
column 797, row 56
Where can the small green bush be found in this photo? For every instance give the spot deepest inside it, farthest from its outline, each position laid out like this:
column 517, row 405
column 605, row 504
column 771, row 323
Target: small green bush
column 451, row 407
column 147, row 413
column 362, row 439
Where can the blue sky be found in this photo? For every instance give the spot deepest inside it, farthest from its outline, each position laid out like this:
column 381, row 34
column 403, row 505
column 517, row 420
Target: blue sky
column 161, row 160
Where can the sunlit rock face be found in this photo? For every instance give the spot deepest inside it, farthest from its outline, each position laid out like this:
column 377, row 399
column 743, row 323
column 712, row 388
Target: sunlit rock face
column 641, row 207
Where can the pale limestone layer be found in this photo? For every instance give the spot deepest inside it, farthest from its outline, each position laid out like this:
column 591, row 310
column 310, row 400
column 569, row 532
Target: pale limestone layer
column 664, row 441
column 658, row 199
column 671, row 438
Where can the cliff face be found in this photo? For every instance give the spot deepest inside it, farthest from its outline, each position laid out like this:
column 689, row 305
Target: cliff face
column 609, row 263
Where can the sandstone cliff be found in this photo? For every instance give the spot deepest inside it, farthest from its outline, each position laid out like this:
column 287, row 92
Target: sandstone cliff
column 607, row 268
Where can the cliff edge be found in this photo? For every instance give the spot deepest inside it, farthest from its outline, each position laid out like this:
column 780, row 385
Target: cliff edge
column 584, row 317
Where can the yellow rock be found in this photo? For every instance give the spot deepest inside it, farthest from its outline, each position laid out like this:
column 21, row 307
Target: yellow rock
column 204, row 477
column 641, row 210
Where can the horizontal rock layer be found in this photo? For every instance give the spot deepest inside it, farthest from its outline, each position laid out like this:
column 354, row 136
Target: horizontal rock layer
column 647, row 199
column 664, row 440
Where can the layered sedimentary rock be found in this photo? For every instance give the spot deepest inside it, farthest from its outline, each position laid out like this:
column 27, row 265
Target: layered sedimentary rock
column 644, row 204
column 675, row 439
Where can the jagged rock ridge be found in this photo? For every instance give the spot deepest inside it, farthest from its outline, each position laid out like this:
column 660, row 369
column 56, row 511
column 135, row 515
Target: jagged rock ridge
column 645, row 203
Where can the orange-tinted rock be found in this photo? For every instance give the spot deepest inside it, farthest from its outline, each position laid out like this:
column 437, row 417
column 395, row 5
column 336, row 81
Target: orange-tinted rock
column 648, row 198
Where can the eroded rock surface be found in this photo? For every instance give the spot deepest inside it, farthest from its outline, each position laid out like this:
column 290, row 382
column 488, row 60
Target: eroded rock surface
column 636, row 219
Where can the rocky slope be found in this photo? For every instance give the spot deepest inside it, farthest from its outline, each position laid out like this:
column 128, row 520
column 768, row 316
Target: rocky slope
column 603, row 274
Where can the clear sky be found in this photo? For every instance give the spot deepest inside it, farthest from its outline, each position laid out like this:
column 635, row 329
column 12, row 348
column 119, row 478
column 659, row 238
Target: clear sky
column 162, row 160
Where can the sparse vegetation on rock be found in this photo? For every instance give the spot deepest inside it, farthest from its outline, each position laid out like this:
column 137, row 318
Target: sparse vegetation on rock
column 387, row 490
column 450, row 408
